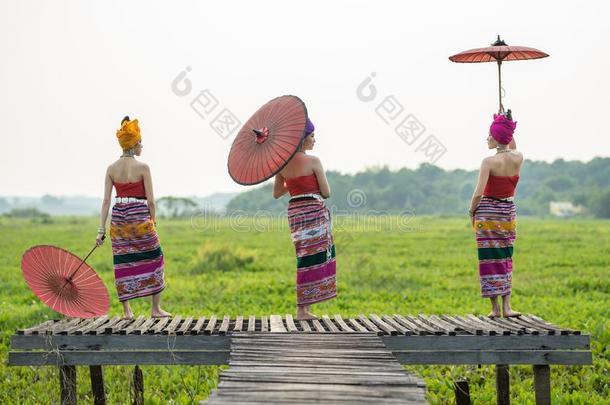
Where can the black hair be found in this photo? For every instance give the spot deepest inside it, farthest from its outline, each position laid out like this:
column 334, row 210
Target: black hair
column 126, row 118
column 509, row 114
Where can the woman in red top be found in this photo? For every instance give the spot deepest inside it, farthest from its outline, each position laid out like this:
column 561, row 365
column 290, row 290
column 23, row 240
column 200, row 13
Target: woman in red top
column 310, row 225
column 137, row 254
column 492, row 212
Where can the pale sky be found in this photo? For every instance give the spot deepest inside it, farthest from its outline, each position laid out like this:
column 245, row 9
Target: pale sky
column 72, row 69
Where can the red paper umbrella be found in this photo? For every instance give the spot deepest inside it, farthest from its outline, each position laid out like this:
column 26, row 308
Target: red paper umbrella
column 268, row 140
column 64, row 282
column 499, row 52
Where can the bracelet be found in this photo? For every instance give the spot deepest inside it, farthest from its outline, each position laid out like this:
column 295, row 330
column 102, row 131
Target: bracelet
column 101, row 230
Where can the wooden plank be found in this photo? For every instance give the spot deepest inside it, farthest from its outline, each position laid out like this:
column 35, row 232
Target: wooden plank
column 277, row 325
column 239, row 324
column 40, row 328
column 468, row 327
column 494, row 357
column 542, row 384
column 318, row 326
column 496, row 324
column 120, row 357
column 198, row 325
column 114, row 328
column 485, row 342
column 475, row 323
column 422, row 325
column 65, row 324
column 390, row 330
column 563, row 331
column 117, row 342
column 97, row 385
column 209, row 329
column 415, row 329
column 72, row 329
column 140, row 320
column 369, row 325
column 102, row 328
column 90, row 328
column 342, row 324
column 67, row 384
column 264, row 324
column 305, row 326
column 329, row 324
column 224, row 326
column 144, row 327
column 292, row 328
column 252, row 323
column 450, row 329
column 170, row 329
column 356, row 325
column 438, row 330
column 158, row 327
column 185, row 326
column 502, row 385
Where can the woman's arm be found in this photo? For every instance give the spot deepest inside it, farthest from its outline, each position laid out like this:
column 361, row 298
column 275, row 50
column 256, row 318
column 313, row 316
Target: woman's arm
column 105, row 207
column 279, row 186
column 150, row 196
column 478, row 191
column 321, row 176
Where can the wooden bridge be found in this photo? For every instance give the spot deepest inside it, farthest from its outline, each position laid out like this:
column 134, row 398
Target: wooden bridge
column 276, row 359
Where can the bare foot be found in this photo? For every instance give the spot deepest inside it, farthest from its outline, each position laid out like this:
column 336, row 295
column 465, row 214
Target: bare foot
column 494, row 314
column 160, row 314
column 511, row 314
column 128, row 316
column 305, row 315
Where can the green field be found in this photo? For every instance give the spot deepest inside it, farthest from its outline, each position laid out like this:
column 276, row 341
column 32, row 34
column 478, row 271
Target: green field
column 562, row 273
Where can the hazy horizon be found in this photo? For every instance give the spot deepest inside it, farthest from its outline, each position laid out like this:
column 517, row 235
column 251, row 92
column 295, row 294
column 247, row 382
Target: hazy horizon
column 72, row 69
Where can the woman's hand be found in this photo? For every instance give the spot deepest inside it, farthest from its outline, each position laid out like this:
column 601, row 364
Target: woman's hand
column 101, row 235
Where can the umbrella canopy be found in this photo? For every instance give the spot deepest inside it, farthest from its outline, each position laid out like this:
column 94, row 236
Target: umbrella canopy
column 498, row 52
column 268, row 140
column 64, row 282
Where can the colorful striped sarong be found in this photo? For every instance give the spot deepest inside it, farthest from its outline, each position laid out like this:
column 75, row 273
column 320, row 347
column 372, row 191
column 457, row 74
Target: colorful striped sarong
column 495, row 228
column 311, row 231
column 138, row 258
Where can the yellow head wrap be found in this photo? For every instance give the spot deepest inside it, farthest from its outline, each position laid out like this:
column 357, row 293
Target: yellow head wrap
column 129, row 134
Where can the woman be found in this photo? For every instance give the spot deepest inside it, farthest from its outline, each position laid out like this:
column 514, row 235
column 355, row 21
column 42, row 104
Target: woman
column 492, row 213
column 310, row 225
column 138, row 259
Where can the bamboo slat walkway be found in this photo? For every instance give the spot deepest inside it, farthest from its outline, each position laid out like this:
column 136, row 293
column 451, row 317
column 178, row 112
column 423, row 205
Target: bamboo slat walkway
column 314, row 368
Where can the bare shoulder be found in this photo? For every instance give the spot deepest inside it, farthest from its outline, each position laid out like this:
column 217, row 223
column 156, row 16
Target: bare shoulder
column 314, row 159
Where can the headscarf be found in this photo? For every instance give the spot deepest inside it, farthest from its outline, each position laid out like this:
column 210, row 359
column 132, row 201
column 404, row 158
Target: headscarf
column 502, row 129
column 309, row 128
column 129, row 134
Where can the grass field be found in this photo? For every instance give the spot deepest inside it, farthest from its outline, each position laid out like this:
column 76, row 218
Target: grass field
column 562, row 273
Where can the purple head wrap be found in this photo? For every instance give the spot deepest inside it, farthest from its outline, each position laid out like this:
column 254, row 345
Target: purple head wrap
column 502, row 129
column 309, row 128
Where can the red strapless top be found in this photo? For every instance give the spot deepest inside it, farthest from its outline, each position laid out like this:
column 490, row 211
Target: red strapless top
column 303, row 185
column 501, row 186
column 134, row 189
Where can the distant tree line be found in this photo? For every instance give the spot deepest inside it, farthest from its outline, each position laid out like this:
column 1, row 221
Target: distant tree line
column 432, row 190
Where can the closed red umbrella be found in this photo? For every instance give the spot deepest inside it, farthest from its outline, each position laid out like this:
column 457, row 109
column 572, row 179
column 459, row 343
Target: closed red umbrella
column 64, row 282
column 498, row 52
column 268, row 140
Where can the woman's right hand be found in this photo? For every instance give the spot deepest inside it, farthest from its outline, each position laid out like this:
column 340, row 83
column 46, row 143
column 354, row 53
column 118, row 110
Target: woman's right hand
column 99, row 241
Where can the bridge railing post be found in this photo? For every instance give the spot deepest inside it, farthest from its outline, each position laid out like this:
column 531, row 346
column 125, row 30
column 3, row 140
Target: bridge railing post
column 67, row 385
column 97, row 385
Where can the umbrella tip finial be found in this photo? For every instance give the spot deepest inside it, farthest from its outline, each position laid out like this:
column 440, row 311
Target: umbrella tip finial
column 499, row 42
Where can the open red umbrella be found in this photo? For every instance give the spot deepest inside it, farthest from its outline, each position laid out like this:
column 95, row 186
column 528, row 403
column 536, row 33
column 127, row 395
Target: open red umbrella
column 268, row 140
column 499, row 52
column 64, row 282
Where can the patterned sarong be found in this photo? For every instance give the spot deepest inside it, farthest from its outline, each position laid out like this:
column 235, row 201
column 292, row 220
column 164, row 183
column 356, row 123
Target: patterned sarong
column 138, row 259
column 495, row 227
column 311, row 231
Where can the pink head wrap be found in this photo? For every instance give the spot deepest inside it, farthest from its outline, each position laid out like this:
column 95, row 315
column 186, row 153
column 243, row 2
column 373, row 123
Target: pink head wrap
column 502, row 129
